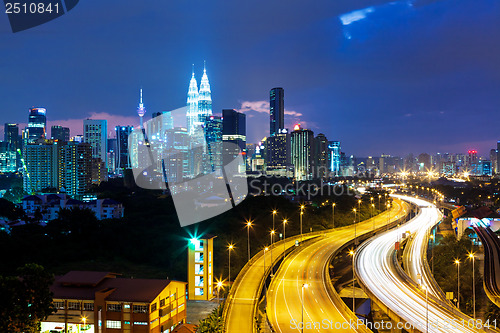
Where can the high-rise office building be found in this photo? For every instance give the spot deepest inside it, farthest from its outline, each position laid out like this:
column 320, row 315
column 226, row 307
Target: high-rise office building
column 494, row 161
column 321, row 156
column 37, row 123
column 233, row 135
column 122, row 152
column 276, row 110
column 213, row 135
column 498, row 157
column 334, row 149
column 199, row 102
column 77, row 168
column 278, row 154
column 95, row 132
column 204, row 99
column 162, row 121
column 59, row 133
column 302, row 152
column 112, row 149
column 11, row 136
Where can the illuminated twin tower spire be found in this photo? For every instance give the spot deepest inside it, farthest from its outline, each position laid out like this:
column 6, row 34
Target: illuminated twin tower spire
column 199, row 102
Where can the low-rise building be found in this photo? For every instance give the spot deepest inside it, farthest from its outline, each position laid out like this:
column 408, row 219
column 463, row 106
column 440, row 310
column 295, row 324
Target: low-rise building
column 48, row 205
column 102, row 302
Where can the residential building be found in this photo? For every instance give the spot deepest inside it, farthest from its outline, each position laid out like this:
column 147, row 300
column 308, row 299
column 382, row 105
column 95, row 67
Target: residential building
column 103, row 302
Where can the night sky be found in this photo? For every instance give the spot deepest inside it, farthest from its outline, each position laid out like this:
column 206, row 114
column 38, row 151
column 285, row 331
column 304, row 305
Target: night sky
column 405, row 76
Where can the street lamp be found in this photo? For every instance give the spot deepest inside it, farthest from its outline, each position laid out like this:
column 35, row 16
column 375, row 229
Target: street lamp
column 472, row 257
column 379, row 196
column 265, row 250
column 219, row 285
column 351, row 253
column 284, row 238
column 457, row 262
column 249, row 224
column 274, row 214
column 230, row 247
column 355, row 240
column 426, row 308
column 304, row 286
column 432, row 249
column 372, row 208
column 301, row 213
column 333, row 215
column 272, row 240
column 389, row 216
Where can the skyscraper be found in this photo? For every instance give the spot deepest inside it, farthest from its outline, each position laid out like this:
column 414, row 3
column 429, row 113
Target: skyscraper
column 37, row 122
column 7, row 158
column 199, row 103
column 213, row 135
column 498, row 157
column 77, row 168
column 192, row 104
column 233, row 132
column 204, row 99
column 156, row 129
column 95, row 133
column 59, row 133
column 122, row 152
column 320, row 156
column 141, row 110
column 278, row 154
column 334, row 148
column 276, row 110
column 42, row 163
column 11, row 136
column 302, row 152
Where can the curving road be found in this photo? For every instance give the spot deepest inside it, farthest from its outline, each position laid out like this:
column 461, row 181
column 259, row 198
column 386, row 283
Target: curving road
column 491, row 245
column 385, row 281
column 308, row 265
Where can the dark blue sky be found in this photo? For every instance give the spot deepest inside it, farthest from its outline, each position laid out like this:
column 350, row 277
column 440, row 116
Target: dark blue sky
column 407, row 76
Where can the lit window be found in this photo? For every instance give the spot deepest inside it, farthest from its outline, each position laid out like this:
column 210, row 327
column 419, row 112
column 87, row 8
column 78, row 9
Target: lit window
column 115, row 307
column 113, row 324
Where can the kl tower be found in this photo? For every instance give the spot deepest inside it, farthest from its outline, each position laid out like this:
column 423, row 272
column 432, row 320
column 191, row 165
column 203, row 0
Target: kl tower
column 141, row 110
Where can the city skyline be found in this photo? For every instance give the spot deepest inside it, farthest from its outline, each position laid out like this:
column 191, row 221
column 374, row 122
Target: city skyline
column 364, row 71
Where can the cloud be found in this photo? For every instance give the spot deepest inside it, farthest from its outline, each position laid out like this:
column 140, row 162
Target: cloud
column 263, row 107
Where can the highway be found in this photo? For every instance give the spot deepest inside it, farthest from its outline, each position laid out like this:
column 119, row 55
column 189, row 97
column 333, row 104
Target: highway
column 491, row 274
column 308, row 265
column 240, row 306
column 417, row 304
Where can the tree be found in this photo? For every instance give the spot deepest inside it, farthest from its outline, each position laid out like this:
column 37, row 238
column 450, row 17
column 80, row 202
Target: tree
column 213, row 323
column 25, row 299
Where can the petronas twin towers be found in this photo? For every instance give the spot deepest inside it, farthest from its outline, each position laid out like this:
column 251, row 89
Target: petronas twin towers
column 199, row 102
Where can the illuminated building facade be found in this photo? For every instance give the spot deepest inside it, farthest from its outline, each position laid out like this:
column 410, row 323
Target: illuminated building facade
column 302, row 152
column 334, row 149
column 213, row 135
column 200, row 268
column 199, row 102
column 8, row 158
column 122, row 153
column 102, row 302
column 233, row 133
column 278, row 154
column 37, row 122
column 320, row 156
column 77, row 168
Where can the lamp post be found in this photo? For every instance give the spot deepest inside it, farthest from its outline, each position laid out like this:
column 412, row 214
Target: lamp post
column 274, row 214
column 230, row 247
column 333, row 215
column 284, row 238
column 472, row 257
column 304, row 286
column 249, row 224
column 272, row 241
column 219, row 285
column 457, row 262
column 355, row 239
column 372, row 208
column 301, row 213
column 351, row 253
column 379, row 196
column 265, row 250
column 432, row 249
column 388, row 217
column 426, row 308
